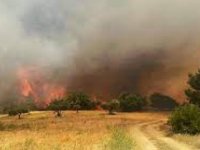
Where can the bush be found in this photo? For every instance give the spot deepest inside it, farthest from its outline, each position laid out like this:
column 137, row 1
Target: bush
column 185, row 119
column 18, row 110
column 131, row 102
column 58, row 105
column 193, row 92
column 15, row 112
column 12, row 112
column 80, row 101
column 111, row 106
column 162, row 102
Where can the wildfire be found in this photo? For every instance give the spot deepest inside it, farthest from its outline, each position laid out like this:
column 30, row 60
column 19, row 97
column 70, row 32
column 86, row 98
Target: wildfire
column 34, row 84
column 26, row 88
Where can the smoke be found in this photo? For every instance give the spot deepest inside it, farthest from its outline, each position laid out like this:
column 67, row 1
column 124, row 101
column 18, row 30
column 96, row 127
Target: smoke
column 101, row 47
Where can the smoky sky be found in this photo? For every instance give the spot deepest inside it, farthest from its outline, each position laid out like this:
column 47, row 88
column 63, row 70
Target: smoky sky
column 101, row 47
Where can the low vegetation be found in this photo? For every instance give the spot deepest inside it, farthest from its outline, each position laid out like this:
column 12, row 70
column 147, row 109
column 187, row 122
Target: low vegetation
column 119, row 140
column 80, row 101
column 41, row 130
column 131, row 102
column 193, row 92
column 186, row 119
column 18, row 111
column 75, row 101
column 111, row 106
column 58, row 106
column 159, row 101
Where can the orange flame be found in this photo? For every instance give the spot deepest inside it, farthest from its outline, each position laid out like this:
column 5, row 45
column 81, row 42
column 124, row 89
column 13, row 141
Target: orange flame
column 26, row 88
column 33, row 84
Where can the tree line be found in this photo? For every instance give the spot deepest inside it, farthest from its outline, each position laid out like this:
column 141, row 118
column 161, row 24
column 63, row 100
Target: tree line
column 184, row 119
column 125, row 102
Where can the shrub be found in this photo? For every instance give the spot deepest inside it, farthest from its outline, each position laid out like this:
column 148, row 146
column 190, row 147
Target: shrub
column 193, row 92
column 131, row 102
column 111, row 106
column 185, row 119
column 162, row 102
column 17, row 110
column 12, row 112
column 80, row 101
column 58, row 105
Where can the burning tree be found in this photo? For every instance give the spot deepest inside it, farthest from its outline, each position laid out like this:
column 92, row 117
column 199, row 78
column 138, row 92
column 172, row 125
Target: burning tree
column 193, row 93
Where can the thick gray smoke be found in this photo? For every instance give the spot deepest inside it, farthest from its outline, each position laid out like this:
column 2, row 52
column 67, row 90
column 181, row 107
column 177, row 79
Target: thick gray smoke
column 102, row 47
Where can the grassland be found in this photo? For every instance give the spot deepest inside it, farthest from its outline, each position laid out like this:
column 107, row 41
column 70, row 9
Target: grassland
column 91, row 130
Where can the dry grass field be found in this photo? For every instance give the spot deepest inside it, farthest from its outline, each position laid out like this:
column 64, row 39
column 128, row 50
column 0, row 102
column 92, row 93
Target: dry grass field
column 92, row 130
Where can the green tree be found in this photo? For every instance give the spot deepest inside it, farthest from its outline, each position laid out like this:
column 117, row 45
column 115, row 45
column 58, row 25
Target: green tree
column 80, row 101
column 185, row 119
column 162, row 102
column 111, row 106
column 131, row 102
column 17, row 110
column 58, row 106
column 193, row 92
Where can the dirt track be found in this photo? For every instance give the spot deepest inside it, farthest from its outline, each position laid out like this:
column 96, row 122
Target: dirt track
column 149, row 136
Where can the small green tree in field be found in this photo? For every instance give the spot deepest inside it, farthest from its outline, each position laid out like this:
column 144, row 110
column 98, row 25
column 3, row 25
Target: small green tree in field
column 58, row 106
column 185, row 119
column 131, row 102
column 193, row 93
column 111, row 106
column 80, row 101
column 17, row 111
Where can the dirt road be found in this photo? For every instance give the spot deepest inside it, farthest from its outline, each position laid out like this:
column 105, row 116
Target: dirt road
column 149, row 135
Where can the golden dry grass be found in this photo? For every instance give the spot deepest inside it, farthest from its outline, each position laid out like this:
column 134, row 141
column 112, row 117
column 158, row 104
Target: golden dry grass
column 188, row 139
column 90, row 130
column 41, row 130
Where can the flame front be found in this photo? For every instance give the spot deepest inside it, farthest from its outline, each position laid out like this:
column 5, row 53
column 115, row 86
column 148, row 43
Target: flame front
column 26, row 88
column 34, row 84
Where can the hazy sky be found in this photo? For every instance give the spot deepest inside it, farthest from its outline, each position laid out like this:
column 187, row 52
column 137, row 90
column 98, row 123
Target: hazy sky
column 104, row 46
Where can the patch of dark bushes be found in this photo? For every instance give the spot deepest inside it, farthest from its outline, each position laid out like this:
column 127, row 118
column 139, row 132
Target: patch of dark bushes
column 162, row 102
column 131, row 102
column 185, row 119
